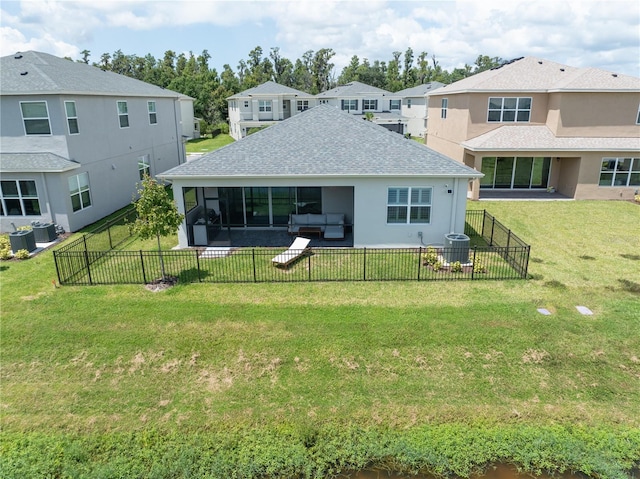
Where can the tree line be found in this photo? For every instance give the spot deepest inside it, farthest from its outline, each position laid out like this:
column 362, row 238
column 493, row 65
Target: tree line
column 313, row 73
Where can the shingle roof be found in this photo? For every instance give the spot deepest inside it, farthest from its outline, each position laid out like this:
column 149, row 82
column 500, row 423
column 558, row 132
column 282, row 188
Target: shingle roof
column 353, row 88
column 35, row 162
column 35, row 73
column 540, row 138
column 269, row 88
column 530, row 74
column 321, row 142
column 420, row 90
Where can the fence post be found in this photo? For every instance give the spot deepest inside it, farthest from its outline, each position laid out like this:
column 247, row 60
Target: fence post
column 109, row 235
column 198, row 264
column 473, row 261
column 419, row 262
column 253, row 259
column 364, row 264
column 493, row 225
column 86, row 258
column 144, row 275
column 309, row 267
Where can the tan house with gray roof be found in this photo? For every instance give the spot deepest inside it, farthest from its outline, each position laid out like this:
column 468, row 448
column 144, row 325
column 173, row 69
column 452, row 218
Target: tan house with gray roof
column 533, row 124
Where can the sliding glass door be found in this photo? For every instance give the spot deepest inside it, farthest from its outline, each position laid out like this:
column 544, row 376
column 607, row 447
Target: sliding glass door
column 508, row 172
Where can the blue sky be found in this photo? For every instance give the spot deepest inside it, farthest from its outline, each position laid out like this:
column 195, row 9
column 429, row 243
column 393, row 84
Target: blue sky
column 602, row 34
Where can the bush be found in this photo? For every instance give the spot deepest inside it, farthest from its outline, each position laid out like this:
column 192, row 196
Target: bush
column 22, row 254
column 456, row 267
column 431, row 256
column 479, row 266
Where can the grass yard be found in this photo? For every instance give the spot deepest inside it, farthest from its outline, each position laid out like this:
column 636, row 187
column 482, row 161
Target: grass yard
column 310, row 379
column 205, row 145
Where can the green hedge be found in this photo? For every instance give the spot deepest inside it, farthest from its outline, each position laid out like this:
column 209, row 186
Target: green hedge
column 310, row 452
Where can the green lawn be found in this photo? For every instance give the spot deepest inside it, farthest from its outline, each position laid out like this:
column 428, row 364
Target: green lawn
column 205, row 145
column 307, row 379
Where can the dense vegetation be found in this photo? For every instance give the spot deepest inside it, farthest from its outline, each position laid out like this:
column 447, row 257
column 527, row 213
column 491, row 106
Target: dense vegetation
column 306, row 380
column 313, row 73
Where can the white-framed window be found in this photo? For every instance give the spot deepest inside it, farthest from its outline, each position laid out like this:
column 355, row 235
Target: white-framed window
column 72, row 117
column 79, row 191
column 144, row 166
column 638, row 116
column 19, row 198
column 324, row 102
column 349, row 105
column 394, row 104
column 620, row 172
column 443, row 108
column 123, row 114
column 35, row 116
column 509, row 109
column 409, row 205
column 284, row 105
column 153, row 115
column 369, row 105
column 246, row 103
column 303, row 105
column 264, row 105
column 408, row 102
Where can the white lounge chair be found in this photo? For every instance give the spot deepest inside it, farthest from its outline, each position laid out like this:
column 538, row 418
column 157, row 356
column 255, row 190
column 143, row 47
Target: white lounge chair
column 299, row 247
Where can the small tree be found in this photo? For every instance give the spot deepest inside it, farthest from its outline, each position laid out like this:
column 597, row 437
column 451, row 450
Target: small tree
column 157, row 214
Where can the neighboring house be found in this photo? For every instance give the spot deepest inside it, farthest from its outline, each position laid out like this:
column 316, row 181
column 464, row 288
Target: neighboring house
column 393, row 191
column 360, row 99
column 75, row 139
column 414, row 107
column 189, row 123
column 265, row 105
column 534, row 124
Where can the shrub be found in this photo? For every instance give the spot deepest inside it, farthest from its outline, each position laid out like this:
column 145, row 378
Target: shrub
column 479, row 266
column 22, row 254
column 24, row 228
column 437, row 266
column 456, row 267
column 5, row 253
column 431, row 256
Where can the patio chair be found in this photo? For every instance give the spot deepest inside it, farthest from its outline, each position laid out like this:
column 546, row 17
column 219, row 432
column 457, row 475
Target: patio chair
column 299, row 247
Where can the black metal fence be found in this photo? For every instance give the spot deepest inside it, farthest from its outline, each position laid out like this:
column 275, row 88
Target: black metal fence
column 496, row 254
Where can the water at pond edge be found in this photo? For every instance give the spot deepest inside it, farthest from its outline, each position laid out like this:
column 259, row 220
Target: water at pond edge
column 501, row 471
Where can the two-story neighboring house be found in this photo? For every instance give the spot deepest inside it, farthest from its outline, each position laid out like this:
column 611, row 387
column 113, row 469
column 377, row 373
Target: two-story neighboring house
column 414, row 107
column 360, row 99
column 534, row 124
column 265, row 105
column 75, row 140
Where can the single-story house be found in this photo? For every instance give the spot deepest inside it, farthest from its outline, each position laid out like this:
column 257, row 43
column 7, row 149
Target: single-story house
column 392, row 192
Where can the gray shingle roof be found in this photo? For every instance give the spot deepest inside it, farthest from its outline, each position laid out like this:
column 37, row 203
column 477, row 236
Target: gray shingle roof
column 35, row 73
column 35, row 162
column 531, row 74
column 540, row 138
column 420, row 90
column 353, row 88
column 322, row 142
column 270, row 88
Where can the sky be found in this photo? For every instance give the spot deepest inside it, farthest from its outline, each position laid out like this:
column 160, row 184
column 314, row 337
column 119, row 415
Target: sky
column 581, row 33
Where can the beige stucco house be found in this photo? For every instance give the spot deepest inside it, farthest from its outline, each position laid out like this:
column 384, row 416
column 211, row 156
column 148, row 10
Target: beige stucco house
column 533, row 124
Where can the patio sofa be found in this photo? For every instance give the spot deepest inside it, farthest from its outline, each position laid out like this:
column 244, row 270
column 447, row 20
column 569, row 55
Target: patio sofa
column 329, row 225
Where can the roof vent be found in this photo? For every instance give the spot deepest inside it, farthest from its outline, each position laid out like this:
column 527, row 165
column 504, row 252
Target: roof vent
column 18, row 56
column 614, row 75
column 23, row 73
column 539, row 62
column 562, row 69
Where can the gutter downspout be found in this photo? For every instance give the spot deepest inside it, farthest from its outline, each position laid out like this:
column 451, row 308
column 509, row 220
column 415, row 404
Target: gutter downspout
column 454, row 206
column 48, row 202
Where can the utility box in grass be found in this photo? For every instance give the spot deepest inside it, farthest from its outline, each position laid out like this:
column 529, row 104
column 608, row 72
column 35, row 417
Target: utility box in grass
column 23, row 239
column 44, row 232
column 456, row 248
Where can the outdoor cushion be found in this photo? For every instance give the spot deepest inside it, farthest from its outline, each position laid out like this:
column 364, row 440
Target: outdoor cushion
column 297, row 249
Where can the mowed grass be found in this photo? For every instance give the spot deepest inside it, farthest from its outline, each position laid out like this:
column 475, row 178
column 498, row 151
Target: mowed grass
column 205, row 145
column 399, row 355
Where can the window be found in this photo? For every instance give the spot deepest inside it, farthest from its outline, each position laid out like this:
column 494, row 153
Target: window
column 408, row 102
column 369, row 104
column 153, row 116
column 19, row 198
column 349, row 104
column 264, row 105
column 638, row 117
column 443, row 108
column 246, row 103
column 284, row 105
column 72, row 117
column 144, row 166
column 303, row 105
column 324, row 102
column 79, row 191
column 509, row 109
column 409, row 205
column 620, row 172
column 190, row 198
column 35, row 116
column 123, row 114
column 394, row 104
